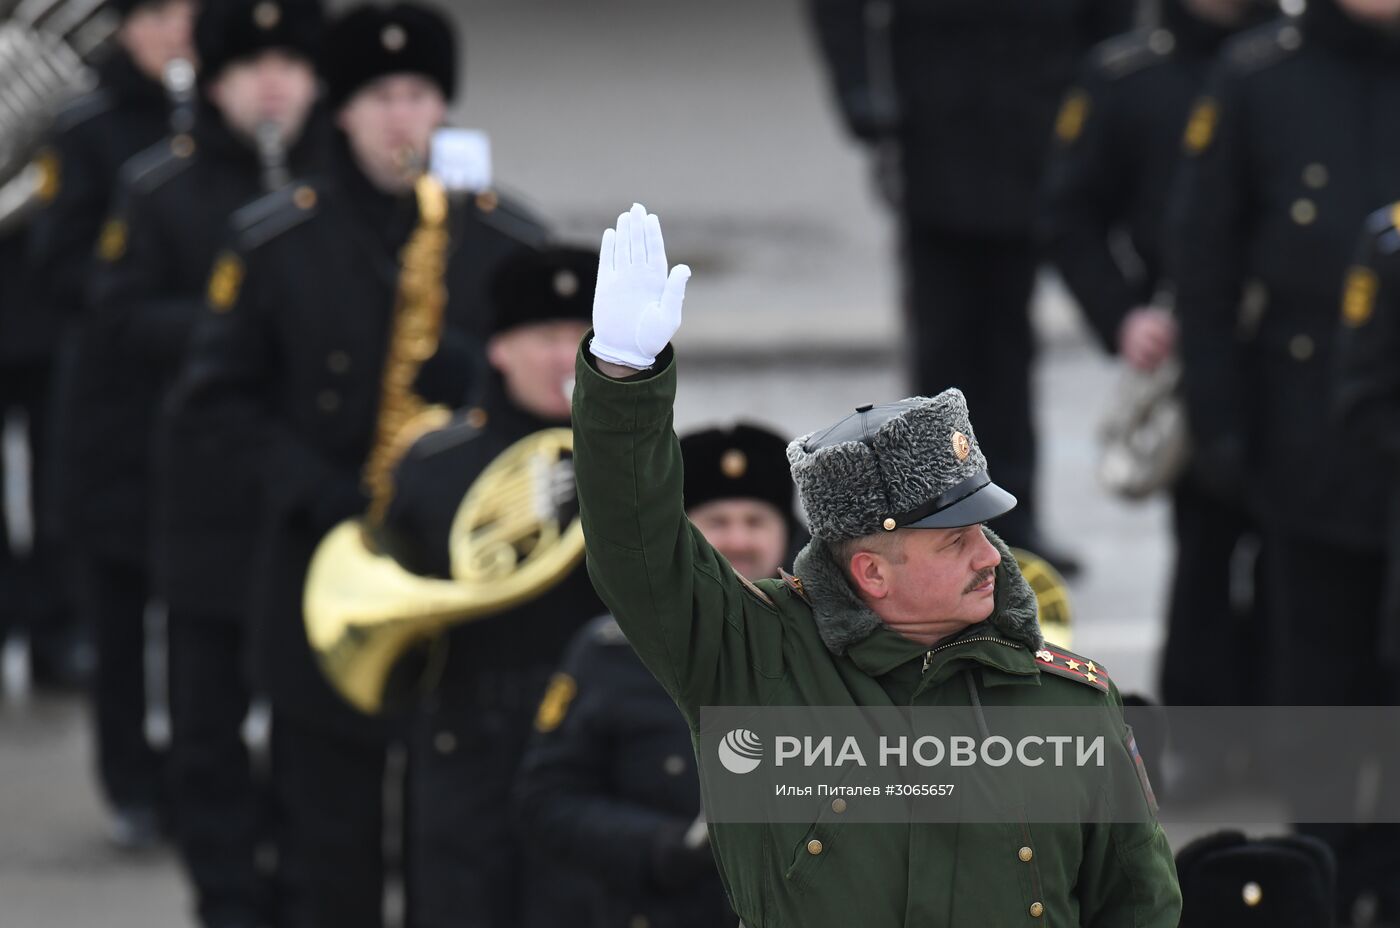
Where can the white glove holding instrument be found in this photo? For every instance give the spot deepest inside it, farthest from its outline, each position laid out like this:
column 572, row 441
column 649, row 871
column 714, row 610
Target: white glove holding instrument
column 637, row 304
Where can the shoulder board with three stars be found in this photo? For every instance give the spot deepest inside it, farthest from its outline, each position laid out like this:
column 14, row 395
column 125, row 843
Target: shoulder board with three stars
column 1054, row 659
column 269, row 216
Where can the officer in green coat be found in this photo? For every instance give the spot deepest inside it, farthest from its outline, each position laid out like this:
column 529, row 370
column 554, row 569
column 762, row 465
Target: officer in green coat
column 903, row 598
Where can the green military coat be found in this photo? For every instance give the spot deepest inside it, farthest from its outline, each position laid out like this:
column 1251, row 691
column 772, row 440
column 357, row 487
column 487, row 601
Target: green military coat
column 713, row 639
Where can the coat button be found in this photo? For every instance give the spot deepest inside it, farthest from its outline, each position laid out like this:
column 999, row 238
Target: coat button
column 444, row 742
column 814, row 847
column 838, row 806
column 476, row 417
column 1315, row 176
column 328, row 401
column 1025, row 854
column 1303, row 211
column 674, row 765
column 1037, row 910
column 304, row 198
column 1301, row 347
column 1253, row 894
column 337, row 362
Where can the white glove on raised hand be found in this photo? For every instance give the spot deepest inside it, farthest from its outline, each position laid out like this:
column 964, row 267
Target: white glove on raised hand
column 637, row 305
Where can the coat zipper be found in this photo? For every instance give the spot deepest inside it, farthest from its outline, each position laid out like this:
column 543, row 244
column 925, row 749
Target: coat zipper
column 928, row 655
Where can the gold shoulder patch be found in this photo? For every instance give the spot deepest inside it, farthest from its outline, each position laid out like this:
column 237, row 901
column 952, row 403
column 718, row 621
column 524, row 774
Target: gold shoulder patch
column 1200, row 128
column 224, row 282
column 1074, row 111
column 1359, row 296
column 555, row 703
column 111, row 243
column 50, row 175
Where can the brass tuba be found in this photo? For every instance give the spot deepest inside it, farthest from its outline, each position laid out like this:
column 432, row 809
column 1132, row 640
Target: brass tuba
column 513, row 536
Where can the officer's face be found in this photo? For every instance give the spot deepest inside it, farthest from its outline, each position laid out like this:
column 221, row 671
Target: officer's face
column 933, row 583
column 390, row 123
column 157, row 33
column 273, row 86
column 751, row 534
column 537, row 364
column 1384, row 13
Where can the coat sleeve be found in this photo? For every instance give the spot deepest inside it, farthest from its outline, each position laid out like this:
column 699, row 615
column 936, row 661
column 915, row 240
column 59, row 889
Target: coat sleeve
column 847, row 41
column 137, row 306
column 689, row 617
column 562, row 795
column 1127, row 873
column 224, row 400
column 1207, row 236
column 1367, row 380
column 1086, row 190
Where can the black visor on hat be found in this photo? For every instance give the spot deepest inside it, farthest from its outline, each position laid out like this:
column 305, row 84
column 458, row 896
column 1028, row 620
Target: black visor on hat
column 973, row 501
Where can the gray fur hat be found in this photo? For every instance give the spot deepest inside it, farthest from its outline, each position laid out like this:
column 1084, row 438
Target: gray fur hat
column 911, row 464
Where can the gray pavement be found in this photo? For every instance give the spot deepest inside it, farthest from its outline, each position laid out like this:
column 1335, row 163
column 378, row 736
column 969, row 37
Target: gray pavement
column 716, row 116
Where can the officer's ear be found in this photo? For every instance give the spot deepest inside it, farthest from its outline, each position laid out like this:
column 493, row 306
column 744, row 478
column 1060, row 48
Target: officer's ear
column 870, row 574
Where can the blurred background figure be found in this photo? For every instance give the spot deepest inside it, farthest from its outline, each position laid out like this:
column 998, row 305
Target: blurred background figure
column 324, row 327
column 256, row 87
column 1293, row 143
column 1117, row 150
column 467, row 864
column 958, row 99
column 103, row 524
column 609, row 793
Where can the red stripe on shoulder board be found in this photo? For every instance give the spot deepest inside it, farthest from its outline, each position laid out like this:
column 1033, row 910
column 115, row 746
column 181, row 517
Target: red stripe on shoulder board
column 1099, row 670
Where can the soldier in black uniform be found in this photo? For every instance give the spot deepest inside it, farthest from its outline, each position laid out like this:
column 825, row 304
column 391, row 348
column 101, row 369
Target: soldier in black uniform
column 609, row 790
column 1118, row 146
column 285, row 377
column 466, row 864
column 92, row 139
column 257, row 85
column 1292, row 145
column 963, row 94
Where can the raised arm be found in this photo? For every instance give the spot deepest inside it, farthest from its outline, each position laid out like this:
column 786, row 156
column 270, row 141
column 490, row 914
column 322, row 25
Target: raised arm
column 679, row 602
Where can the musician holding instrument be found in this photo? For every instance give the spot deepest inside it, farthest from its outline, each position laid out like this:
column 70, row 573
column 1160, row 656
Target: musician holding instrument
column 92, row 138
column 609, row 791
column 346, row 304
column 258, row 78
column 486, row 677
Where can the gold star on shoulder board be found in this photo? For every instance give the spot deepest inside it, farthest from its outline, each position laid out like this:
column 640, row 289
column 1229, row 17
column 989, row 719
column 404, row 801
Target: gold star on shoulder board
column 1071, row 663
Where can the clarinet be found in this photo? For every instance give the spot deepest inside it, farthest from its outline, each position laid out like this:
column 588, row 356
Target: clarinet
column 178, row 80
column 272, row 155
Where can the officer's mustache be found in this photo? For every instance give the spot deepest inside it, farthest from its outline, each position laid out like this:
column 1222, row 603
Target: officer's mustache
column 982, row 577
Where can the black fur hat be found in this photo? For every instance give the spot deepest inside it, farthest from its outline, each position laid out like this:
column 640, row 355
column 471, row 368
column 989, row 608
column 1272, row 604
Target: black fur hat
column 228, row 30
column 745, row 461
column 542, row 286
column 371, row 41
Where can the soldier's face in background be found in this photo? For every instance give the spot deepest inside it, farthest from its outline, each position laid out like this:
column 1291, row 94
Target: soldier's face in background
column 751, row 534
column 390, row 123
column 931, row 583
column 536, row 362
column 157, row 33
column 273, row 86
column 1382, row 13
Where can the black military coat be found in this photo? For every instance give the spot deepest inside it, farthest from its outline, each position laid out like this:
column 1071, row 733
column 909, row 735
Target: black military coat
column 977, row 84
column 610, row 771
column 1294, row 143
column 170, row 217
column 1117, row 148
column 284, row 376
